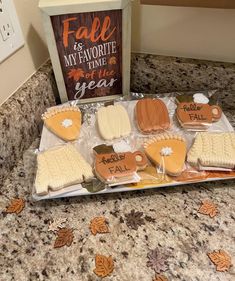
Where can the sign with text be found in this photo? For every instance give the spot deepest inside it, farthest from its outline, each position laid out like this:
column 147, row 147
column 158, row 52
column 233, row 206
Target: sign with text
column 90, row 51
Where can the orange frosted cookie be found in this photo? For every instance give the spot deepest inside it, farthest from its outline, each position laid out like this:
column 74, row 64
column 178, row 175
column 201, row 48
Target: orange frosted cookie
column 65, row 122
column 152, row 115
column 168, row 152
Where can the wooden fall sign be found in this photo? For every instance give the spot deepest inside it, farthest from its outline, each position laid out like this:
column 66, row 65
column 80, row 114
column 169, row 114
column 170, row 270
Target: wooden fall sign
column 90, row 51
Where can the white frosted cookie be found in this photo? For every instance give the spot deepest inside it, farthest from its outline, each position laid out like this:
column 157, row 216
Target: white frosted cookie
column 213, row 150
column 60, row 167
column 113, row 122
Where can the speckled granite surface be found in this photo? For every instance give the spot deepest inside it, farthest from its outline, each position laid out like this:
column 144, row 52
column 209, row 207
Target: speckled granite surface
column 20, row 117
column 160, row 74
column 27, row 247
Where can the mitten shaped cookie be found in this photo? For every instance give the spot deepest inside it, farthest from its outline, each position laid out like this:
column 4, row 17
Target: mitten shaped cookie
column 213, row 150
column 60, row 167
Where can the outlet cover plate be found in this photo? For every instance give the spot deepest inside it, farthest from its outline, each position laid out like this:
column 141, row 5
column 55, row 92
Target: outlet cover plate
column 11, row 37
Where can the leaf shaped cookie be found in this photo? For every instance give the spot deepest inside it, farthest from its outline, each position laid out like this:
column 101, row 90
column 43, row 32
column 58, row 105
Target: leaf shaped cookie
column 65, row 122
column 208, row 208
column 16, row 206
column 168, row 152
column 221, row 260
column 103, row 265
column 99, row 225
column 64, row 237
column 160, row 278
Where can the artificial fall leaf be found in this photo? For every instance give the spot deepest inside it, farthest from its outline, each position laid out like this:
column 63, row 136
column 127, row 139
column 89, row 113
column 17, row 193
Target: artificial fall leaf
column 99, row 225
column 16, row 206
column 160, row 278
column 113, row 60
column 221, row 260
column 56, row 224
column 103, row 265
column 64, row 237
column 157, row 260
column 208, row 208
column 76, row 74
column 134, row 219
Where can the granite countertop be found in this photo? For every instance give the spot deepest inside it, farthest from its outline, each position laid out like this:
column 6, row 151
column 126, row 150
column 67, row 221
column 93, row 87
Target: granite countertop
column 171, row 224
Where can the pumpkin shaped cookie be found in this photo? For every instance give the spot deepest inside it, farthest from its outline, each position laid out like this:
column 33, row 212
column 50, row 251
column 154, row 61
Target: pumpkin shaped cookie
column 152, row 116
column 168, row 152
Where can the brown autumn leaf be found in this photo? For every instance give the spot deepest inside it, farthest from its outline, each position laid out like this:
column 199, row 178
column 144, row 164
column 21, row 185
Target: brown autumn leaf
column 16, row 206
column 99, row 225
column 208, row 208
column 102, row 91
column 221, row 260
column 160, row 278
column 112, row 60
column 64, row 237
column 103, row 265
column 76, row 74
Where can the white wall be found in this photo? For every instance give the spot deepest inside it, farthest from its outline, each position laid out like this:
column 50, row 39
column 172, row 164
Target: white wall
column 20, row 66
column 186, row 32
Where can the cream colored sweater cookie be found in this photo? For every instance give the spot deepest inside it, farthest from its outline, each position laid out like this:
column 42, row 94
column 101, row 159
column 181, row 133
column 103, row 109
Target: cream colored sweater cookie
column 60, row 167
column 213, row 150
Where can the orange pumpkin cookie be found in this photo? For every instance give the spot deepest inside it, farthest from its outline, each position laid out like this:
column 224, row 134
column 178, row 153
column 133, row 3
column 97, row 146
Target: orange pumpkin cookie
column 168, row 152
column 65, row 122
column 197, row 115
column 112, row 166
column 152, row 115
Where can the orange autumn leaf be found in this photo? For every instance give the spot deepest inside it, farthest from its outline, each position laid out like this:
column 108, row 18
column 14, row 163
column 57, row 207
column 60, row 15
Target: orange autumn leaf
column 99, row 225
column 208, row 208
column 103, row 265
column 64, row 237
column 76, row 74
column 16, row 206
column 221, row 260
column 113, row 60
column 160, row 278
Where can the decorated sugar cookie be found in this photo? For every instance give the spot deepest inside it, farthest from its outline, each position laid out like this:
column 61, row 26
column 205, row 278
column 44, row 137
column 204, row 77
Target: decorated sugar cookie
column 152, row 115
column 197, row 115
column 213, row 150
column 168, row 152
column 112, row 166
column 65, row 122
column 113, row 122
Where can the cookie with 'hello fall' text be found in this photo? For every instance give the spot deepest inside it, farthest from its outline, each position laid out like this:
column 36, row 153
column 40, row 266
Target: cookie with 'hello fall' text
column 65, row 122
column 168, row 152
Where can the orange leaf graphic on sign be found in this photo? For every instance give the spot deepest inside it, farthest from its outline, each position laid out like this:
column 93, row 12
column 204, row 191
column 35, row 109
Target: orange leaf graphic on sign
column 76, row 74
column 113, row 60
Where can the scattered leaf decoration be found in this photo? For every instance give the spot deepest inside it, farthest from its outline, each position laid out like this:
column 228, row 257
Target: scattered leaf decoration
column 102, row 91
column 221, row 260
column 157, row 261
column 134, row 219
column 103, row 265
column 160, row 278
column 76, row 74
column 64, row 237
column 99, row 225
column 208, row 208
column 16, row 206
column 56, row 224
column 113, row 60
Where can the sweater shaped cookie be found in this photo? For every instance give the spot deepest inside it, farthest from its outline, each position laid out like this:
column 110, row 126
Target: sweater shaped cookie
column 60, row 167
column 213, row 150
column 113, row 122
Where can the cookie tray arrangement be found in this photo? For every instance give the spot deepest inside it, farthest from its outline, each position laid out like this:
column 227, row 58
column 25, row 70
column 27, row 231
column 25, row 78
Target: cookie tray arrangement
column 132, row 145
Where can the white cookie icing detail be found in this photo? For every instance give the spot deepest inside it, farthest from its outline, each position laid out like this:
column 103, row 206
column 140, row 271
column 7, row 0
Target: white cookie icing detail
column 67, row 123
column 200, row 98
column 166, row 151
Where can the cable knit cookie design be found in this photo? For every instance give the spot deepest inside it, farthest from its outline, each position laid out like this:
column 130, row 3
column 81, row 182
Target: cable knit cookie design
column 60, row 167
column 65, row 122
column 213, row 150
column 168, row 152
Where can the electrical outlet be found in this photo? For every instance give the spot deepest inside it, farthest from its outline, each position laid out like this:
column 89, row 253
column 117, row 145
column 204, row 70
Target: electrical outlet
column 11, row 37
